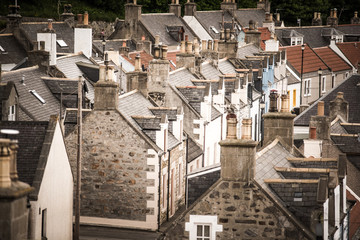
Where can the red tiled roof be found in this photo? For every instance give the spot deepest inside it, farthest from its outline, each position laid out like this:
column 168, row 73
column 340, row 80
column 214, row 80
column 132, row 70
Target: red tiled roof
column 354, row 215
column 312, row 62
column 265, row 35
column 352, row 51
column 144, row 56
column 334, row 61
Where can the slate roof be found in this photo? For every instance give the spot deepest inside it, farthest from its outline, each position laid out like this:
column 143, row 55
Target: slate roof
column 194, row 150
column 346, row 144
column 29, row 104
column 245, row 15
column 247, row 50
column 312, row 62
column 226, row 67
column 135, row 104
column 5, row 90
column 170, row 112
column 90, row 71
column 13, row 51
column 351, row 89
column 213, row 18
column 351, row 31
column 156, row 24
column 31, row 139
column 334, row 61
column 68, row 87
column 181, row 77
column 209, row 71
column 63, row 32
column 352, row 51
column 196, row 26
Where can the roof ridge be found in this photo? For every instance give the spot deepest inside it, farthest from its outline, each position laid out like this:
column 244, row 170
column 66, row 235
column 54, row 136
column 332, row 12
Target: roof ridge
column 128, row 94
column 21, row 70
column 70, row 55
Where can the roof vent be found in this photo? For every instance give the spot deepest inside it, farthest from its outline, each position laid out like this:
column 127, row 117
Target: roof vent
column 33, row 92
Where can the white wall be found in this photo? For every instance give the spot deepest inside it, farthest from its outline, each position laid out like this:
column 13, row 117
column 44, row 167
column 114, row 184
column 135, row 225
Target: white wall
column 56, row 193
column 50, row 45
column 255, row 110
column 83, row 41
column 212, row 138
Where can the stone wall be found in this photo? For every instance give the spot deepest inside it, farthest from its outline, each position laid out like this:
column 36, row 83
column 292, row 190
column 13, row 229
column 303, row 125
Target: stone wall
column 244, row 211
column 114, row 168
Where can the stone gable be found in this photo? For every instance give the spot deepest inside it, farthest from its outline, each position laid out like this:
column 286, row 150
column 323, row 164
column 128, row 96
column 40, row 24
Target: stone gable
column 114, row 168
column 244, row 211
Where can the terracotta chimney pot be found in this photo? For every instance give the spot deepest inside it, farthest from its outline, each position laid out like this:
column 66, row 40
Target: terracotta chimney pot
column 312, row 132
column 273, row 101
column 278, row 17
column 284, row 103
column 80, row 18
column 246, row 128
column 86, row 18
column 189, row 49
column 340, row 95
column 186, row 38
column 50, row 25
column 182, row 47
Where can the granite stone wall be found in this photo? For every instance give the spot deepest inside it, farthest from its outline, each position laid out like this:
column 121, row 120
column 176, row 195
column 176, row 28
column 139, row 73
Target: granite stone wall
column 244, row 211
column 114, row 167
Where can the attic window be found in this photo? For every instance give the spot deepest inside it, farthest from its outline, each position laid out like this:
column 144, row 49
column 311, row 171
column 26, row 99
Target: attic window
column 33, row 92
column 214, row 30
column 61, row 43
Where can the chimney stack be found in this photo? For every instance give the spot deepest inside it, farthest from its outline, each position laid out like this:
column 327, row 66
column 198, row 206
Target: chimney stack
column 67, row 15
column 175, row 8
column 278, row 123
column 332, row 20
column 83, row 35
column 253, row 35
column 190, row 8
column 137, row 63
column 106, row 89
column 321, row 123
column 317, row 19
column 237, row 155
column 339, row 106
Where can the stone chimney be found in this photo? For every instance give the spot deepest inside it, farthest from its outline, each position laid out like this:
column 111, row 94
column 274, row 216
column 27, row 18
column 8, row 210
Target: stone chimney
column 237, row 155
column 48, row 35
column 332, row 20
column 13, row 195
column 317, row 19
column 186, row 58
column 278, row 123
column 83, row 36
column 38, row 56
column 124, row 50
column 13, row 18
column 190, row 8
column 253, row 35
column 132, row 18
column 269, row 22
column 67, row 15
column 106, row 89
column 137, row 79
column 264, row 4
column 158, row 71
column 355, row 19
column 175, row 8
column 339, row 106
column 228, row 5
column 321, row 123
column 278, row 21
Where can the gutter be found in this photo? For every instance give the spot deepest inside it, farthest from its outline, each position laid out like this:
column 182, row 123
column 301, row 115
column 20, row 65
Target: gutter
column 159, row 191
column 186, row 169
column 168, row 189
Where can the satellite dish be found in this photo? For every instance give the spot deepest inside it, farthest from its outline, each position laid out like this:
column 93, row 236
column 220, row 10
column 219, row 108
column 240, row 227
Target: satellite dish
column 9, row 131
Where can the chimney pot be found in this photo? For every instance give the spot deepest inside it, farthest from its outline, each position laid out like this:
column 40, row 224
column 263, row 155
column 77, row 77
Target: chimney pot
column 278, row 17
column 246, row 128
column 157, row 53
column 216, row 45
column 210, row 44
column 273, row 101
column 203, row 45
column 227, row 34
column 86, row 18
column 137, row 63
column 182, row 47
column 335, row 13
column 231, row 126
column 5, row 180
column 80, row 18
column 157, row 40
column 315, row 15
column 189, row 49
column 312, row 132
column 356, row 14
column 340, row 95
column 321, row 108
column 285, row 103
column 164, row 52
column 186, row 38
column 13, row 168
column 50, row 26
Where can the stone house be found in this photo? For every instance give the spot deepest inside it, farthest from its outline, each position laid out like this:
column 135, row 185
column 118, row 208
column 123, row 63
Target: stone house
column 42, row 162
column 9, row 107
column 133, row 152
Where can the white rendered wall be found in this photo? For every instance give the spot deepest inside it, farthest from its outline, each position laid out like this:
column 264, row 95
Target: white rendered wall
column 56, row 193
column 50, row 45
column 83, row 41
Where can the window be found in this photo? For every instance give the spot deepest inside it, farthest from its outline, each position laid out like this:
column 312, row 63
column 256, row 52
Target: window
column 296, row 41
column 332, row 81
column 323, row 83
column 338, row 38
column 307, row 91
column 12, row 116
column 43, row 223
column 346, row 75
column 202, row 232
column 61, row 43
column 203, row 227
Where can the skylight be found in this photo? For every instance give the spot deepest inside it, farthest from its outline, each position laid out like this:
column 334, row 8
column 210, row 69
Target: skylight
column 172, row 63
column 33, row 92
column 61, row 43
column 214, row 29
column 1, row 49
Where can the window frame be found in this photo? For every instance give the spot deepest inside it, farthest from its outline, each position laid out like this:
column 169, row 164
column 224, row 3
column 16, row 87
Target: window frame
column 12, row 113
column 203, row 232
column 323, row 84
column 307, row 87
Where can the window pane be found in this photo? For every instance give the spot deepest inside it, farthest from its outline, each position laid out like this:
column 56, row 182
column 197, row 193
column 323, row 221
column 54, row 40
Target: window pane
column 199, row 231
column 206, row 231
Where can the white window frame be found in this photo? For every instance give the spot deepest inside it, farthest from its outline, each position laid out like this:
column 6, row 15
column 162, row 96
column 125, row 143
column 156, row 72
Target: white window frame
column 12, row 113
column 339, row 38
column 296, row 41
column 307, row 87
column 209, row 220
column 323, row 84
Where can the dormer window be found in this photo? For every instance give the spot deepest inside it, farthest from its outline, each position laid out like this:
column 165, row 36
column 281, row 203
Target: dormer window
column 296, row 41
column 12, row 115
column 338, row 38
